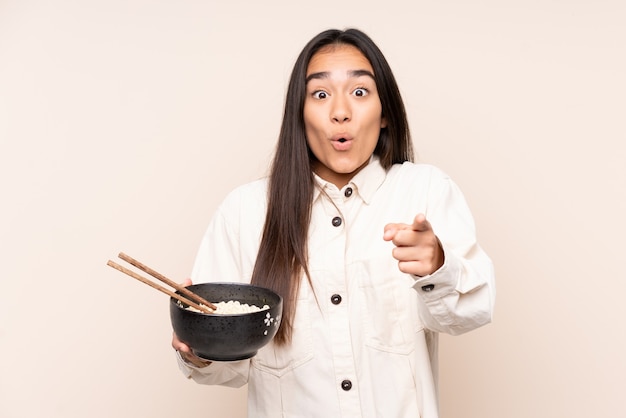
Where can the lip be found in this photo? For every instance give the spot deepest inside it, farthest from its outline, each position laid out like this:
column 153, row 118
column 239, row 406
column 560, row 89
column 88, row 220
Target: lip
column 341, row 142
column 341, row 135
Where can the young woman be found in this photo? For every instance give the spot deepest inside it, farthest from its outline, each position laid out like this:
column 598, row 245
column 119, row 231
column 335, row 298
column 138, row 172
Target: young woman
column 374, row 255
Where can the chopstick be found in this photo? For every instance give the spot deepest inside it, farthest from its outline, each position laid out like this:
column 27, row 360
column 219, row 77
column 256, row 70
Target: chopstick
column 167, row 281
column 200, row 303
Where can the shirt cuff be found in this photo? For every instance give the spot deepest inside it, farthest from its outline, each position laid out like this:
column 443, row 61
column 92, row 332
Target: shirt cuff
column 442, row 282
column 187, row 368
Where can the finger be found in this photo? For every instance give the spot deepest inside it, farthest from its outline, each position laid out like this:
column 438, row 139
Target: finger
column 183, row 348
column 420, row 224
column 412, row 253
column 177, row 344
column 186, row 282
column 390, row 231
column 187, row 355
column 417, row 268
column 193, row 359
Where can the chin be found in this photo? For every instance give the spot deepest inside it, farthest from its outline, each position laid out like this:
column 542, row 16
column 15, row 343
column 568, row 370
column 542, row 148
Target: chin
column 349, row 167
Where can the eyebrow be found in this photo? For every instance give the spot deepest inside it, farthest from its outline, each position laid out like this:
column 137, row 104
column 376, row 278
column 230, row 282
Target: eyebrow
column 351, row 74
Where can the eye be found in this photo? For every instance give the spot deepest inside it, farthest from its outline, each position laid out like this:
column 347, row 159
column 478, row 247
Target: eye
column 320, row 94
column 360, row 92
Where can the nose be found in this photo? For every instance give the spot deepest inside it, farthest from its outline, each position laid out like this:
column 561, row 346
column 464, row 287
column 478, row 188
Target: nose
column 340, row 111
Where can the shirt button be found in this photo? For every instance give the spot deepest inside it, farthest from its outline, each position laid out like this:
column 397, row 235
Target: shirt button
column 348, row 192
column 428, row 287
column 335, row 299
column 336, row 221
column 346, row 385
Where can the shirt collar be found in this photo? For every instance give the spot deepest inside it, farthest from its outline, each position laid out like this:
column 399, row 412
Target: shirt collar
column 365, row 182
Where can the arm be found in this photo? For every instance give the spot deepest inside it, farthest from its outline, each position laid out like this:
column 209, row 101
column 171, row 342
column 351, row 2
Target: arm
column 219, row 259
column 231, row 374
column 454, row 278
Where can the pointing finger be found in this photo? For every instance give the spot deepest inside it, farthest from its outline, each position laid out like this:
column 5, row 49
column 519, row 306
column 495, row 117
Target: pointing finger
column 390, row 231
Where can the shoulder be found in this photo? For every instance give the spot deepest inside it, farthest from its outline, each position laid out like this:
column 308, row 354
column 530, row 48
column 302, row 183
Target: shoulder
column 423, row 182
column 248, row 197
column 253, row 190
column 417, row 172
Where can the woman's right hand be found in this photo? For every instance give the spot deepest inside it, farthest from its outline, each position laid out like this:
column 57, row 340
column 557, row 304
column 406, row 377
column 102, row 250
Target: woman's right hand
column 183, row 349
column 187, row 355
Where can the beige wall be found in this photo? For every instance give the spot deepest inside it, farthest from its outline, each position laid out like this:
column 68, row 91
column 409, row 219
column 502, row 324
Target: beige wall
column 123, row 124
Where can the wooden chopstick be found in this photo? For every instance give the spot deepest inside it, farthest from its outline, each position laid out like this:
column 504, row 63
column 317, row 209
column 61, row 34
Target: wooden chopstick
column 158, row 287
column 167, row 281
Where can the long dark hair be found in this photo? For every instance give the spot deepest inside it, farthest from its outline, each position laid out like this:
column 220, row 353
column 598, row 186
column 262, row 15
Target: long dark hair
column 283, row 252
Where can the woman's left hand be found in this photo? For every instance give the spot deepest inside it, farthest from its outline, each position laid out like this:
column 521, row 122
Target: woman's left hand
column 418, row 249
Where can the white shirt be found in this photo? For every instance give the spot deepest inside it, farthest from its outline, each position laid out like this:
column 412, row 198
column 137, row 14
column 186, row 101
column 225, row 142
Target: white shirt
column 367, row 345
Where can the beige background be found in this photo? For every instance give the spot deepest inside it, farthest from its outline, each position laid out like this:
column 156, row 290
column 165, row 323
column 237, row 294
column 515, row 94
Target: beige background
column 123, row 123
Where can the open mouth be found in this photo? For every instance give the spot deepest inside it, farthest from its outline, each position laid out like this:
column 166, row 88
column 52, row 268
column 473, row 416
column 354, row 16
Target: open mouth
column 341, row 141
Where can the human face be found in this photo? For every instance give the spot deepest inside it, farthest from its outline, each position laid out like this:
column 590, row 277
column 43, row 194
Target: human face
column 342, row 112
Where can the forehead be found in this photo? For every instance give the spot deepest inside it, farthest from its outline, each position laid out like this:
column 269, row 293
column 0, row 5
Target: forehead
column 341, row 58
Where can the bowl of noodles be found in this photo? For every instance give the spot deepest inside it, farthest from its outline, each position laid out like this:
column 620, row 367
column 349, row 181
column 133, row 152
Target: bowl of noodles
column 246, row 319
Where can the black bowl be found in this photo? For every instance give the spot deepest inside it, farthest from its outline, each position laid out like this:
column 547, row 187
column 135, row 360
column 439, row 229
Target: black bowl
column 227, row 337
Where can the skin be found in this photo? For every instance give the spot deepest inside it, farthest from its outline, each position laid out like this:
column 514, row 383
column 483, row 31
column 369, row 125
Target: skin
column 183, row 349
column 342, row 102
column 418, row 249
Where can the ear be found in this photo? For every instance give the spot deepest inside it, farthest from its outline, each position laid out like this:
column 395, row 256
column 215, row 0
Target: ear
column 383, row 122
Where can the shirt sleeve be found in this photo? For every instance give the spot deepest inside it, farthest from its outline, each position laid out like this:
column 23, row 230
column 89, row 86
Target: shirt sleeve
column 229, row 246
column 232, row 374
column 460, row 296
column 220, row 259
